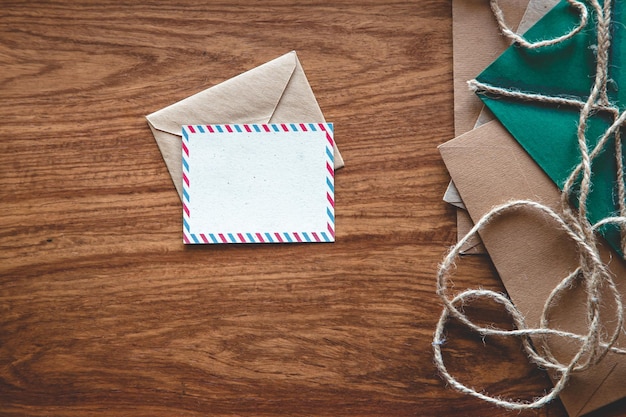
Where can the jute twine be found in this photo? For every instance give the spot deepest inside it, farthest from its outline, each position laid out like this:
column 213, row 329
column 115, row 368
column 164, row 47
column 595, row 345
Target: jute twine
column 591, row 271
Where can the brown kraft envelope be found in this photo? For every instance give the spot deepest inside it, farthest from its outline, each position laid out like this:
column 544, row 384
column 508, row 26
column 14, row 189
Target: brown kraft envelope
column 531, row 256
column 275, row 92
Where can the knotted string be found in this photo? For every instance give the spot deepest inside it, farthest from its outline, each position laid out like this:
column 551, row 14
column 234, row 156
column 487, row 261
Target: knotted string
column 593, row 346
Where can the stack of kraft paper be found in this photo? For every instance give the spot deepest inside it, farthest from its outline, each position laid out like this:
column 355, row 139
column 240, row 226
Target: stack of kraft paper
column 510, row 146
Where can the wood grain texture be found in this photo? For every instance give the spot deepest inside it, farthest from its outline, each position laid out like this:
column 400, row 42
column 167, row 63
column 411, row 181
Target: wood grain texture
column 103, row 312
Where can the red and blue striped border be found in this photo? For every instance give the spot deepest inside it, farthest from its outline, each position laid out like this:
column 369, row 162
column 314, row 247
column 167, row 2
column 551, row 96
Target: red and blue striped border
column 327, row 235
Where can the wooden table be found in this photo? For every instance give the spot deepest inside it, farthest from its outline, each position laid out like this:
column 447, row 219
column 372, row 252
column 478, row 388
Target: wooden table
column 103, row 310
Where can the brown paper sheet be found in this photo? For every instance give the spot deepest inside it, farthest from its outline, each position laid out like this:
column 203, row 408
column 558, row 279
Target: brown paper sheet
column 489, row 168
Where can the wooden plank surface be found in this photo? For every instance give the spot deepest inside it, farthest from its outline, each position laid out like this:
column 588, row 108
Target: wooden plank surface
column 103, row 311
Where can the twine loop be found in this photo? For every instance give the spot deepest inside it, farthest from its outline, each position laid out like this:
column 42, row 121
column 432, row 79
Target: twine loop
column 591, row 272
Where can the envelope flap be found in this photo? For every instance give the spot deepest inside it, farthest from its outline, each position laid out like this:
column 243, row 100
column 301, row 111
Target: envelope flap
column 250, row 97
column 560, row 70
